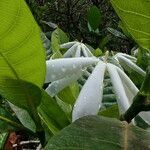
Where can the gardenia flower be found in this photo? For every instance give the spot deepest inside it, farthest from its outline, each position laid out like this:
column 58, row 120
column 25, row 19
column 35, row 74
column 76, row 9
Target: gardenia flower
column 76, row 49
column 64, row 71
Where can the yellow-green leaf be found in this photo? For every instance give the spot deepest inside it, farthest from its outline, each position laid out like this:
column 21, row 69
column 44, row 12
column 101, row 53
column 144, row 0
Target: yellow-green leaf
column 135, row 15
column 22, row 54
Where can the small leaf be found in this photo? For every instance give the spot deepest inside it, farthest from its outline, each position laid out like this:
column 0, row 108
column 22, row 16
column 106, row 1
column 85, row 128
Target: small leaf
column 94, row 17
column 51, row 114
column 116, row 33
column 98, row 52
column 8, row 122
column 24, row 117
column 58, row 37
column 112, row 112
column 3, row 138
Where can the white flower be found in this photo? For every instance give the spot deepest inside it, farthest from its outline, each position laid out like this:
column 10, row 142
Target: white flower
column 93, row 91
column 76, row 49
column 64, row 71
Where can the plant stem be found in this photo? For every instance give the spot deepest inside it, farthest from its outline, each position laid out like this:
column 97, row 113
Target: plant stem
column 141, row 101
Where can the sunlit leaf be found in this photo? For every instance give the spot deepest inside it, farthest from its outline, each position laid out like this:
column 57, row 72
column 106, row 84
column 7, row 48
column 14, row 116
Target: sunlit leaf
column 135, row 15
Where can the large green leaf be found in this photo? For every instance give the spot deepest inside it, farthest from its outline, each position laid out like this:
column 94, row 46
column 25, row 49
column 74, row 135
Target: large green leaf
column 99, row 133
column 21, row 51
column 135, row 15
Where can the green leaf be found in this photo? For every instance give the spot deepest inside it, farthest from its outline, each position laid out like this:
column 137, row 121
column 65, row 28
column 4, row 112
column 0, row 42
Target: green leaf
column 25, row 95
column 3, row 138
column 24, row 117
column 116, row 33
column 58, row 37
column 145, row 88
column 51, row 114
column 100, row 133
column 112, row 112
column 21, row 93
column 143, row 58
column 22, row 55
column 98, row 52
column 8, row 122
column 135, row 15
column 66, row 95
column 94, row 17
column 124, row 29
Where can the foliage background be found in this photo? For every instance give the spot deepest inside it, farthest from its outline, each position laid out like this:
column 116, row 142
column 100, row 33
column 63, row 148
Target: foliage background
column 71, row 17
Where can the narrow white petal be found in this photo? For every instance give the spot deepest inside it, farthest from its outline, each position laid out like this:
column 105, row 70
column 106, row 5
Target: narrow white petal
column 56, row 86
column 131, row 91
column 84, row 51
column 131, row 65
column 88, row 51
column 59, row 68
column 135, row 52
column 127, row 56
column 68, row 45
column 78, row 51
column 127, row 81
column 90, row 97
column 71, row 52
column 121, row 96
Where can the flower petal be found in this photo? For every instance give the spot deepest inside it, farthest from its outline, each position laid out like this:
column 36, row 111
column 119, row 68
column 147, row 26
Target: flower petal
column 71, row 52
column 131, row 65
column 131, row 92
column 90, row 97
column 59, row 68
column 145, row 116
column 88, row 51
column 121, row 96
column 84, row 51
column 127, row 56
column 56, row 86
column 127, row 81
column 78, row 51
column 68, row 45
